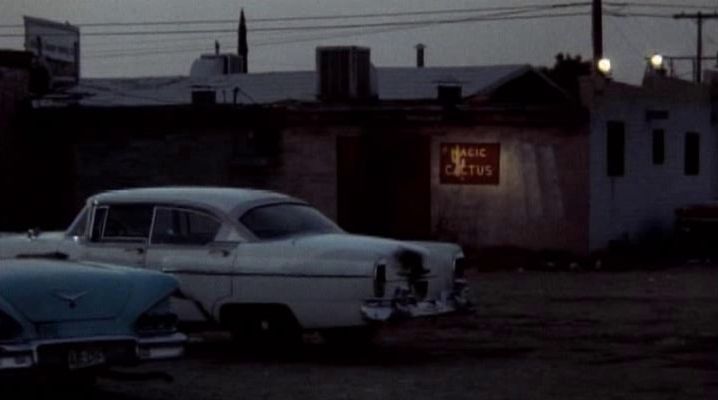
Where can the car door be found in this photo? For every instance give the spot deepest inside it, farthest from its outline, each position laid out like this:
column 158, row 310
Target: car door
column 119, row 234
column 183, row 243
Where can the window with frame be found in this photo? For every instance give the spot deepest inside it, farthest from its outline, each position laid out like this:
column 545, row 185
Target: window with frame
column 692, row 153
column 615, row 148
column 184, row 227
column 285, row 220
column 659, row 146
column 122, row 223
column 79, row 226
column 98, row 223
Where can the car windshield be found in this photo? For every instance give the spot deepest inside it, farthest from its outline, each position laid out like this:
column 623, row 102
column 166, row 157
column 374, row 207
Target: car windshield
column 282, row 220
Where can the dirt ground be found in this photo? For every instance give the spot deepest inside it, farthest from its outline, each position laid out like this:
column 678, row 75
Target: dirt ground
column 535, row 335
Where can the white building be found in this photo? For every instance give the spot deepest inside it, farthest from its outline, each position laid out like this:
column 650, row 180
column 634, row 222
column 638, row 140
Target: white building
column 652, row 150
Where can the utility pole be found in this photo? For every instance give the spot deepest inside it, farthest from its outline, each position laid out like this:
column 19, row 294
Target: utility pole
column 597, row 23
column 699, row 17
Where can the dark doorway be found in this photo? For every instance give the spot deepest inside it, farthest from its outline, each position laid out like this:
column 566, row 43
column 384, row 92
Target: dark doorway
column 384, row 186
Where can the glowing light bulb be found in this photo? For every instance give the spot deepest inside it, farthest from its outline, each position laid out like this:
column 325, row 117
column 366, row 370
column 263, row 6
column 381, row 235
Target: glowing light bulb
column 604, row 66
column 657, row 61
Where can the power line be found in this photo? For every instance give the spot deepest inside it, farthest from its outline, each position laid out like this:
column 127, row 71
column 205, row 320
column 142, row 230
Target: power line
column 363, row 31
column 147, row 51
column 620, row 14
column 152, row 43
column 261, row 43
column 626, row 40
column 525, row 7
column 651, row 4
column 275, row 42
column 700, row 18
column 130, row 51
column 506, row 13
column 326, row 27
column 227, row 35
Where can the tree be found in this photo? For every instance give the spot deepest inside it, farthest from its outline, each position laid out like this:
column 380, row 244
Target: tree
column 567, row 70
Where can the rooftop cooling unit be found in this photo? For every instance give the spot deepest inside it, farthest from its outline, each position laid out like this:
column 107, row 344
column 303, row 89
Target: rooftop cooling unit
column 345, row 74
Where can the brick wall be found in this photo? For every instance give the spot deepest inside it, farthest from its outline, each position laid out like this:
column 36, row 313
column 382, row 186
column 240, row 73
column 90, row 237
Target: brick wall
column 540, row 202
column 14, row 88
column 14, row 85
column 305, row 166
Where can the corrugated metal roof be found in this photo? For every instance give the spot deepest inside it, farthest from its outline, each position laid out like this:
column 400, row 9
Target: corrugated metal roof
column 420, row 83
column 393, row 83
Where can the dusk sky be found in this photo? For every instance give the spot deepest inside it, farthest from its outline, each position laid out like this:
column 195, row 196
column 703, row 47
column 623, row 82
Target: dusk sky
column 628, row 40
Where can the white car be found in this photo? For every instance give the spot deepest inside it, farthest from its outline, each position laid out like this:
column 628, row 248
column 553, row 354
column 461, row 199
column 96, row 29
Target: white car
column 257, row 261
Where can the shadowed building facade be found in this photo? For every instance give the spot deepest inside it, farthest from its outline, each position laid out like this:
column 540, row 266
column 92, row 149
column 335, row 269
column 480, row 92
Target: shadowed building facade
column 486, row 156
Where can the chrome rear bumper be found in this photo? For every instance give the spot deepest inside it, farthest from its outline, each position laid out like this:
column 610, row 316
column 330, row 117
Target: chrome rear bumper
column 405, row 306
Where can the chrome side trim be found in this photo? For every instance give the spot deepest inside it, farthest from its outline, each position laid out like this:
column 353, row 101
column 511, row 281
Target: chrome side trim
column 180, row 271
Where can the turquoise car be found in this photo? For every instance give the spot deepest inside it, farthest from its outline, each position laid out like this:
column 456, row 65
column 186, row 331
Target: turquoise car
column 80, row 316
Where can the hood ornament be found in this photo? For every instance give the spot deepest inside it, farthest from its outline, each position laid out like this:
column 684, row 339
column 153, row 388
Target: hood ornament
column 70, row 298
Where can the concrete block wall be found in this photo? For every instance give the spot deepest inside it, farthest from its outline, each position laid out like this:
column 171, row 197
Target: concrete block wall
column 305, row 166
column 540, row 202
column 153, row 161
column 308, row 167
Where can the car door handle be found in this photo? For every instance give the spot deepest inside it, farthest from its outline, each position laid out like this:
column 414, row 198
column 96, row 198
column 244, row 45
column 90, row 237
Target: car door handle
column 221, row 252
column 138, row 250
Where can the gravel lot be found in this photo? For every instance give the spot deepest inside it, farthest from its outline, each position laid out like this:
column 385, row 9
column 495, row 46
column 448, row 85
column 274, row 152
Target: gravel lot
column 536, row 335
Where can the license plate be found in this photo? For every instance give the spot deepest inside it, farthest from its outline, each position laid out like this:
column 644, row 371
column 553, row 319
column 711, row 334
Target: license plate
column 85, row 358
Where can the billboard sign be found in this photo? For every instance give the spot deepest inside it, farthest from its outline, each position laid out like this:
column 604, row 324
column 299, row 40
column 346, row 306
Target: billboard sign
column 470, row 163
column 57, row 45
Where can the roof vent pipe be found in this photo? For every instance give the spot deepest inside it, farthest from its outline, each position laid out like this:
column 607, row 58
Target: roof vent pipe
column 420, row 55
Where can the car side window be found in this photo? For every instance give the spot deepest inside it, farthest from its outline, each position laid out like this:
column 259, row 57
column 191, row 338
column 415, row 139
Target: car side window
column 122, row 223
column 183, row 227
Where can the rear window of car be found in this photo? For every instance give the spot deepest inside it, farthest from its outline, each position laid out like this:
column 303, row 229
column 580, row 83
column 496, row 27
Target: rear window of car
column 283, row 220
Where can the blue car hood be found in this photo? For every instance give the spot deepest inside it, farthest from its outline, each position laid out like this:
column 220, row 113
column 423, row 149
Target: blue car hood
column 52, row 291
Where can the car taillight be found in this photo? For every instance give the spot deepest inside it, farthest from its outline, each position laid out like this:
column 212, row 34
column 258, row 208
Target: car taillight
column 9, row 328
column 380, row 280
column 158, row 320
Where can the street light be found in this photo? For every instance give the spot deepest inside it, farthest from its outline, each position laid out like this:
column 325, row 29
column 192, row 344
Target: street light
column 604, row 66
column 656, row 61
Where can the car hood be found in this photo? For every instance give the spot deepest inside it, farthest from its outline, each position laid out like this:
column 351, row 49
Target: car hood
column 14, row 244
column 53, row 291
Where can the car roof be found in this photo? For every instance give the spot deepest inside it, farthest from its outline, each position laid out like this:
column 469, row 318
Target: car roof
column 225, row 199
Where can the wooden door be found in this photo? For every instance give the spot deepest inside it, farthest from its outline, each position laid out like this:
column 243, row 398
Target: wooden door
column 384, row 184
